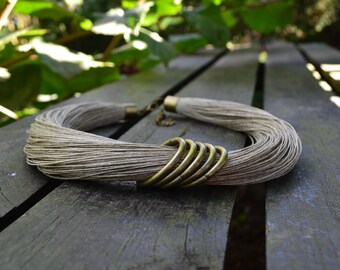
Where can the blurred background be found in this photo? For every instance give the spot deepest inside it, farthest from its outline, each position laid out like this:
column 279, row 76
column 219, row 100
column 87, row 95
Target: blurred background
column 53, row 50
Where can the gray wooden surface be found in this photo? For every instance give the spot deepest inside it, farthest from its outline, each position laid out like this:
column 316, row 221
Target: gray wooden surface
column 18, row 181
column 319, row 54
column 113, row 226
column 303, row 208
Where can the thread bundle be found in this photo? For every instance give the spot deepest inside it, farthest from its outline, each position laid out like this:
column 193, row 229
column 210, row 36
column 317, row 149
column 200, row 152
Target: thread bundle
column 60, row 147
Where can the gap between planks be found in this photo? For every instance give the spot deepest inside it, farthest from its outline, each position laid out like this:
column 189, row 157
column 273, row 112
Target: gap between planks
column 246, row 237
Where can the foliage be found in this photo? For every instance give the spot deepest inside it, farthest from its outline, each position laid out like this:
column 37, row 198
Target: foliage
column 61, row 48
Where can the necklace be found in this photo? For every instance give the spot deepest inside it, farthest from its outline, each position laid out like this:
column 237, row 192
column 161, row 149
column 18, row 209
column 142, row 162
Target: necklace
column 60, row 146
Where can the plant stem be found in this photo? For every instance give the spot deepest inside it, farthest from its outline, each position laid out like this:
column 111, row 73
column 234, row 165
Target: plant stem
column 73, row 36
column 6, row 12
column 17, row 59
column 113, row 44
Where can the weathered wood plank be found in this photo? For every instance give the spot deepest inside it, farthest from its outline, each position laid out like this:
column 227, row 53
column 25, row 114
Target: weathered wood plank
column 18, row 181
column 91, row 226
column 303, row 207
column 327, row 61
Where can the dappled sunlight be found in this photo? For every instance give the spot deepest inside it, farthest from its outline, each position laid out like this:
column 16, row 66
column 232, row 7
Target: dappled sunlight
column 330, row 67
column 325, row 86
column 47, row 98
column 335, row 100
column 8, row 112
column 316, row 75
column 4, row 74
column 333, row 69
column 310, row 67
column 139, row 45
column 112, row 23
column 335, row 75
column 156, row 36
column 61, row 60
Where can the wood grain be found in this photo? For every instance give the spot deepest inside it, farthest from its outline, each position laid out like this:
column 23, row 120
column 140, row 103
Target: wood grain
column 18, row 181
column 112, row 226
column 303, row 207
column 320, row 54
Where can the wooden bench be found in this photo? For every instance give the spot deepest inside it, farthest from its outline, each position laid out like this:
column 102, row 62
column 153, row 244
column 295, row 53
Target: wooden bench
column 49, row 224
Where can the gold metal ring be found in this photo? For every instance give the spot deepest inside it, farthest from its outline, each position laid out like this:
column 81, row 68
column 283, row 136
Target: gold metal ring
column 204, row 168
column 173, row 161
column 185, row 168
column 182, row 166
column 130, row 111
column 191, row 169
column 213, row 170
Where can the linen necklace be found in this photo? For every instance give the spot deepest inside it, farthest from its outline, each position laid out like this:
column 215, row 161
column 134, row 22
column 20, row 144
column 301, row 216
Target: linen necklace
column 60, row 146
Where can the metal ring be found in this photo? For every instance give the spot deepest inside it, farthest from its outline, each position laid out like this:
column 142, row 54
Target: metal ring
column 213, row 170
column 191, row 169
column 204, row 168
column 173, row 161
column 181, row 167
column 189, row 172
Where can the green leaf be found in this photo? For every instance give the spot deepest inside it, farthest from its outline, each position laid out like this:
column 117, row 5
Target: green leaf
column 209, row 23
column 266, row 18
column 22, row 87
column 119, row 22
column 2, row 4
column 149, row 19
column 158, row 47
column 61, row 60
column 114, row 22
column 8, row 52
column 43, row 10
column 168, row 7
column 215, row 2
column 92, row 78
column 188, row 43
column 128, row 4
column 34, row 33
column 170, row 21
column 229, row 18
column 138, row 14
column 54, row 83
column 7, row 37
column 29, row 7
column 148, row 63
column 127, row 53
column 86, row 24
column 161, row 10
